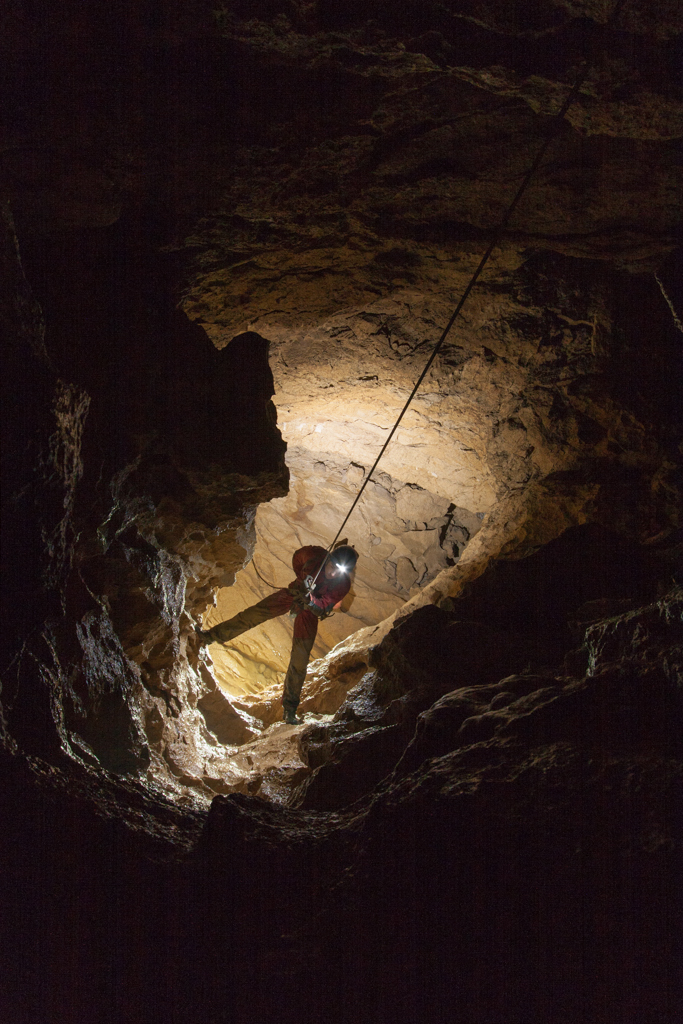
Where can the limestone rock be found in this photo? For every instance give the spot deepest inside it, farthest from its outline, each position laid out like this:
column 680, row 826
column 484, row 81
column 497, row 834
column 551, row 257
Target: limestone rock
column 319, row 225
column 239, row 228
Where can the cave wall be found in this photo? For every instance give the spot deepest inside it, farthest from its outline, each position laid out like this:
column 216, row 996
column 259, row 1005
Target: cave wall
column 220, row 212
column 325, row 178
column 357, row 208
column 137, row 514
column 573, row 418
column 522, row 862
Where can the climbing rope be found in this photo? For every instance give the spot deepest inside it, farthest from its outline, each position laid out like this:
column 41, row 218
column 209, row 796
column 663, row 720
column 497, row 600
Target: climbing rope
column 497, row 236
column 262, row 578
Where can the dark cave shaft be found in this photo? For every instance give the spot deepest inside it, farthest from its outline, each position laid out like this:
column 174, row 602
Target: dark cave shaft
column 229, row 228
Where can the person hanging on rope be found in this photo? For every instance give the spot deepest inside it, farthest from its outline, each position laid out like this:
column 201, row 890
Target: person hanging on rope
column 322, row 582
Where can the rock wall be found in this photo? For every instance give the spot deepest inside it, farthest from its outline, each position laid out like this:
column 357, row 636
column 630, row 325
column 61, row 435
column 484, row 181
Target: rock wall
column 326, row 178
column 538, row 416
column 521, row 862
column 217, row 206
column 122, row 517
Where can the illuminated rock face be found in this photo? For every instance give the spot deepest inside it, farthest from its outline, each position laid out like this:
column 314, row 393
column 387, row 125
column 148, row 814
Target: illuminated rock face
column 350, row 257
column 524, row 397
column 405, row 536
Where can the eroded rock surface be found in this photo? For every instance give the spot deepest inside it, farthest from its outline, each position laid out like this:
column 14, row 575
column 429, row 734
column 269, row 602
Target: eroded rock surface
column 138, row 517
column 533, row 617
column 526, row 814
column 314, row 184
column 217, row 206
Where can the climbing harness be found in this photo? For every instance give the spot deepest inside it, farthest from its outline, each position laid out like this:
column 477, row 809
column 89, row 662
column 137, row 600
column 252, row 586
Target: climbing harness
column 301, row 601
column 498, row 234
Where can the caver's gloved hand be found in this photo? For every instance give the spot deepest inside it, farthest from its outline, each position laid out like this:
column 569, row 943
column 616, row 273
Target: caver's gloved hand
column 322, row 613
column 300, row 603
column 301, row 592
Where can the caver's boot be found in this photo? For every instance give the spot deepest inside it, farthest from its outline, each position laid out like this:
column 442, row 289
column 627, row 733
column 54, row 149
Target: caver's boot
column 290, row 718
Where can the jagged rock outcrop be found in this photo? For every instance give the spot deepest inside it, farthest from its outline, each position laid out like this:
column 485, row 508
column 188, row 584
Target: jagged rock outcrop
column 137, row 516
column 362, row 703
column 530, row 835
column 520, row 863
column 527, row 617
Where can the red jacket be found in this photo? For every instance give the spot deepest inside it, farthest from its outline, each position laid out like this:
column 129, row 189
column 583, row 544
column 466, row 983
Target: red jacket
column 306, row 562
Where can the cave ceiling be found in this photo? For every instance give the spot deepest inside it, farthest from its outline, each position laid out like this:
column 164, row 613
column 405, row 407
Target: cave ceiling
column 319, row 182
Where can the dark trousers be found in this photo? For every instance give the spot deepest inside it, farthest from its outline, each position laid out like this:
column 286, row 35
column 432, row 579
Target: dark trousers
column 305, row 629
